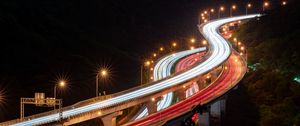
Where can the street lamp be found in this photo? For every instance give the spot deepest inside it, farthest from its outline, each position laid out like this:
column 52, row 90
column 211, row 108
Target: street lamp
column 231, row 9
column 204, row 42
column 161, row 49
column 147, row 63
column 153, row 99
column 193, row 40
column 220, row 9
column 211, row 12
column 239, row 43
column 60, row 84
column 154, row 54
column 200, row 18
column 242, row 48
column 283, row 3
column 266, row 4
column 235, row 39
column 249, row 5
column 174, row 44
column 192, row 47
column 102, row 73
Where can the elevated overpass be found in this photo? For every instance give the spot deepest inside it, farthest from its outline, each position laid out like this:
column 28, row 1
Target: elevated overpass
column 218, row 52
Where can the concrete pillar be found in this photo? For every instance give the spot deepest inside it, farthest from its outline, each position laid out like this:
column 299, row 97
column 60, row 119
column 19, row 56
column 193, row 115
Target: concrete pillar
column 203, row 119
column 110, row 119
column 181, row 94
column 151, row 105
column 217, row 110
column 202, row 83
column 223, row 107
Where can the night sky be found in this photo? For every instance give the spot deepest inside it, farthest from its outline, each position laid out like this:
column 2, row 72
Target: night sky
column 43, row 40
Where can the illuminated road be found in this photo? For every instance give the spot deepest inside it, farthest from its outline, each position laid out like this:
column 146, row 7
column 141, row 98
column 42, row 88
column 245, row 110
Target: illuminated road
column 234, row 73
column 219, row 51
column 185, row 64
column 163, row 69
column 235, row 70
column 188, row 61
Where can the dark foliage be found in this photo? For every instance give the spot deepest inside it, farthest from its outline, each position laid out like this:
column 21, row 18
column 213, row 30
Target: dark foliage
column 273, row 42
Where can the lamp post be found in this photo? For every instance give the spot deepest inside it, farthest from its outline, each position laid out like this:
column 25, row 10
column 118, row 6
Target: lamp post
column 248, row 6
column 204, row 42
column 211, row 12
column 192, row 40
column 102, row 73
column 283, row 3
column 174, row 44
column 147, row 64
column 220, row 9
column 231, row 9
column 61, row 83
column 266, row 4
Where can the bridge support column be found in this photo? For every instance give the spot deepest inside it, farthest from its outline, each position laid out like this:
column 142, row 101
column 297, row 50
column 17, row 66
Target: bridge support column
column 217, row 110
column 151, row 105
column 110, row 120
column 181, row 94
column 204, row 119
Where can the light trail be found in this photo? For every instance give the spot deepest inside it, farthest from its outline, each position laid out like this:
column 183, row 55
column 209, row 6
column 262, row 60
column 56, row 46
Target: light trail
column 163, row 69
column 219, row 51
column 231, row 75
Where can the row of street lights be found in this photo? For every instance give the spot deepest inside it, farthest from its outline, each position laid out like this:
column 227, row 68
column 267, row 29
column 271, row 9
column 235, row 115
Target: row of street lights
column 103, row 73
column 173, row 45
column 221, row 9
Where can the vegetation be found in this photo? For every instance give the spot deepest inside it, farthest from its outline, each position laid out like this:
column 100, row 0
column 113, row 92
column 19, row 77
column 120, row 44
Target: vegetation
column 273, row 44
